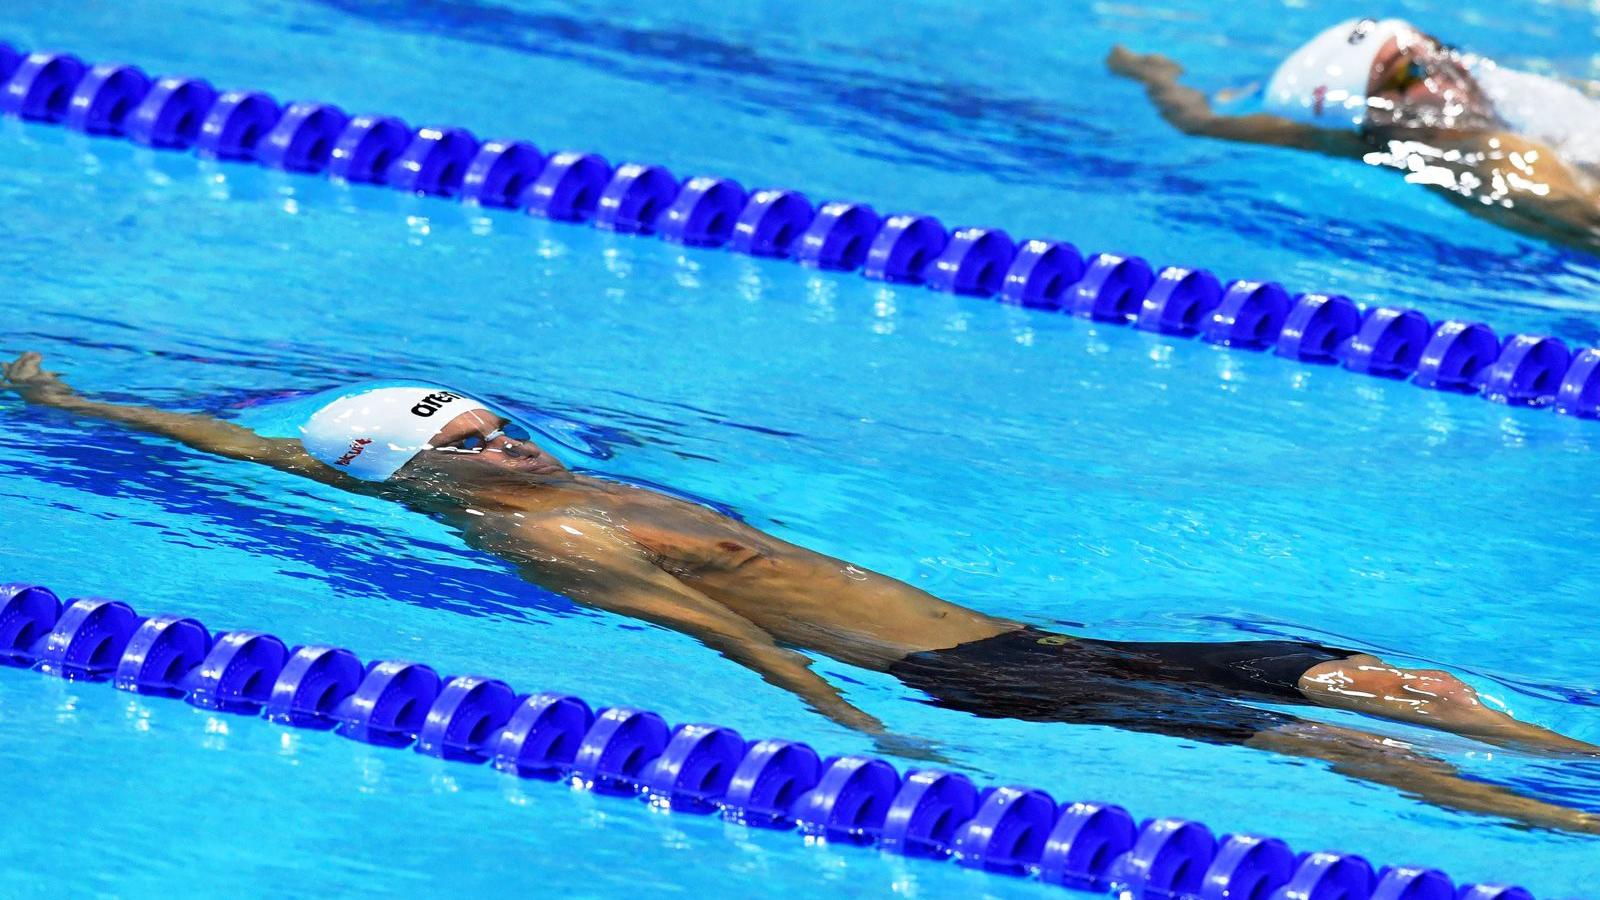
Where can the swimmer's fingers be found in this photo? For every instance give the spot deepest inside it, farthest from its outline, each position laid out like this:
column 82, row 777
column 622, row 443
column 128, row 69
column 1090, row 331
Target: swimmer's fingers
column 1147, row 68
column 23, row 368
column 910, row 748
column 24, row 372
column 1121, row 60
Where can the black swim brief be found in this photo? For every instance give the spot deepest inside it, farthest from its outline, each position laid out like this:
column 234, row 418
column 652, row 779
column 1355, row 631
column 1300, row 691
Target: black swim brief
column 1183, row 689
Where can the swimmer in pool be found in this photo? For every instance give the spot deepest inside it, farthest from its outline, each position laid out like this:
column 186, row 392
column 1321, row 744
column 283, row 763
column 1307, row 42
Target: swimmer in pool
column 1517, row 148
column 760, row 600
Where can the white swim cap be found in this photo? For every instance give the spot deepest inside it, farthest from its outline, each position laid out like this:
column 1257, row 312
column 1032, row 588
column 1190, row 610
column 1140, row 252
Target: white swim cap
column 1325, row 81
column 371, row 433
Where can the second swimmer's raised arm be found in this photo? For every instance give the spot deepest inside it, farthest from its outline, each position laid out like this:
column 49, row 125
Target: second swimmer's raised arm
column 1189, row 111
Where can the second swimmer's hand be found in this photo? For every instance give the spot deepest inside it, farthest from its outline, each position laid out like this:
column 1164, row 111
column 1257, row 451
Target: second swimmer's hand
column 1147, row 68
column 25, row 376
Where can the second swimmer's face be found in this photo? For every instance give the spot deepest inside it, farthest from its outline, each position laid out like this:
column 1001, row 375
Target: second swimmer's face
column 479, row 444
column 1417, row 82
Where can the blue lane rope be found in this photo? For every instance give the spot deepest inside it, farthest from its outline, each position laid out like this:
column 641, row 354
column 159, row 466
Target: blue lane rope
column 632, row 198
column 691, row 769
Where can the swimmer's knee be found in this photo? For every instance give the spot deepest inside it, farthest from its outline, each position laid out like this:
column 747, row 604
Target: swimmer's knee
column 1341, row 672
column 1370, row 675
column 1446, row 686
column 1432, row 681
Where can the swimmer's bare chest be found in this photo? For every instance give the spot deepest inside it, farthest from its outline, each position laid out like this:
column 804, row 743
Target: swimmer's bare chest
column 682, row 538
column 801, row 597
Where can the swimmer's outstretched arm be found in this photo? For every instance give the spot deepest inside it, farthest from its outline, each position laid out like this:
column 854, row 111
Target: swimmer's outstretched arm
column 1189, row 111
column 202, row 432
column 601, row 566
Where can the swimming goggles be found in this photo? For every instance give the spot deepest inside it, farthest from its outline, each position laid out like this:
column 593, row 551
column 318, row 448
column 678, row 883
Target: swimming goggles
column 474, row 442
column 1403, row 77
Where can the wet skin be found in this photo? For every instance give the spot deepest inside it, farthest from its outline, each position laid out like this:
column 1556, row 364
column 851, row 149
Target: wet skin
column 758, row 599
column 1417, row 83
column 1426, row 118
column 516, row 501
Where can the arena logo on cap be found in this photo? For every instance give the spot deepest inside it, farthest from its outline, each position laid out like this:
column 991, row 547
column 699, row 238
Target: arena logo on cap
column 432, row 403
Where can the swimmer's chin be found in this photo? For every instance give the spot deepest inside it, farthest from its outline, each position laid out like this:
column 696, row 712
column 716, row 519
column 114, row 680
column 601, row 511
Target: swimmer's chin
column 480, row 473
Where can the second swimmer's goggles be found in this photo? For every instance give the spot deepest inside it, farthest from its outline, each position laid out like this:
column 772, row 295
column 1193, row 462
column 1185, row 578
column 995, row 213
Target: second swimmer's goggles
column 1411, row 73
column 474, row 442
column 1416, row 71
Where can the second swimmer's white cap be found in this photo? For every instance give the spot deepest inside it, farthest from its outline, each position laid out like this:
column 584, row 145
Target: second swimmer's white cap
column 371, row 433
column 1324, row 82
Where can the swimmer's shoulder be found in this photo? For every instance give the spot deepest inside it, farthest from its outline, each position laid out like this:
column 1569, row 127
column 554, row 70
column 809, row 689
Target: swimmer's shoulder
column 542, row 538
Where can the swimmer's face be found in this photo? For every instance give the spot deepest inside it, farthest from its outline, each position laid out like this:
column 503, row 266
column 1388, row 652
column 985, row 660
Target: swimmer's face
column 479, row 444
column 1418, row 82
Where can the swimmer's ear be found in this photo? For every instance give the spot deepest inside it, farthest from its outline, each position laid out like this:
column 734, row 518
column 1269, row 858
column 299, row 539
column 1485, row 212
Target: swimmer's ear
column 415, row 471
column 411, row 470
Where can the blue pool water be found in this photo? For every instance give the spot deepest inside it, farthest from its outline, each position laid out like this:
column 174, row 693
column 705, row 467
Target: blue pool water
column 1032, row 466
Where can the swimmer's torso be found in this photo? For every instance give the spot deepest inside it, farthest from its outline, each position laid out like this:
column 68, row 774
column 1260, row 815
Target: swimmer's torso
column 802, row 598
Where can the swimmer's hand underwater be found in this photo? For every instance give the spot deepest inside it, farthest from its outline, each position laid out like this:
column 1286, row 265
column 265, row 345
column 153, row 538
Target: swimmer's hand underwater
column 760, row 601
column 1426, row 117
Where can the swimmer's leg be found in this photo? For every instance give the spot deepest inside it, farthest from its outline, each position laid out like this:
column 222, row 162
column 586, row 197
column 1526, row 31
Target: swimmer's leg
column 1429, row 697
column 1385, row 761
